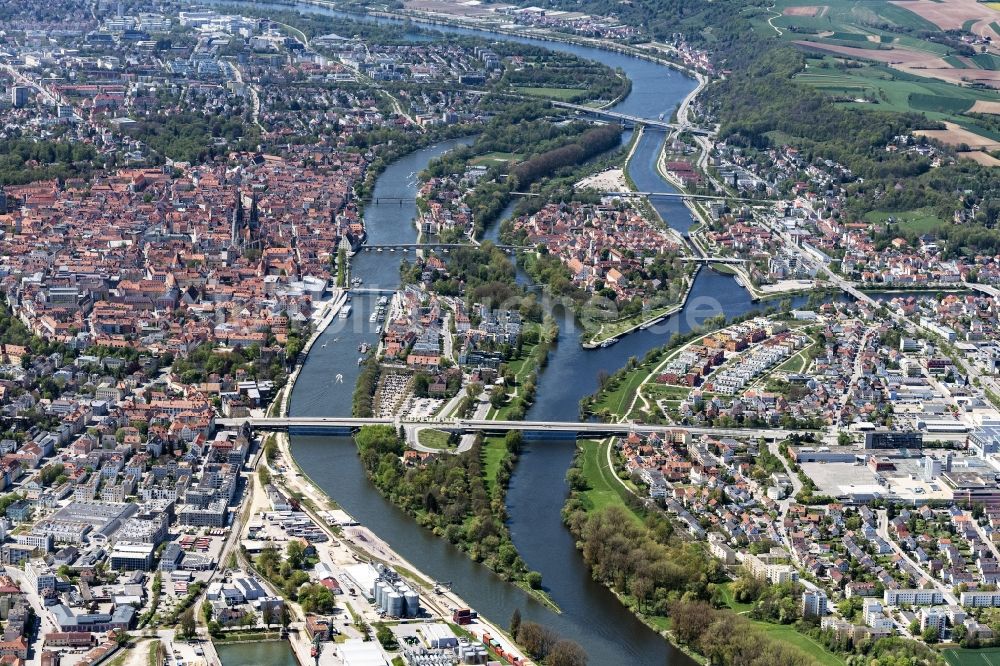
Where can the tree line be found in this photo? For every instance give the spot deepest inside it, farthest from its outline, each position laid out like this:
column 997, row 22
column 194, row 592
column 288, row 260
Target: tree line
column 592, row 142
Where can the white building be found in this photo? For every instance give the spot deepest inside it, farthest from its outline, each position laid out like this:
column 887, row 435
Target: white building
column 814, row 603
column 913, row 597
column 980, row 599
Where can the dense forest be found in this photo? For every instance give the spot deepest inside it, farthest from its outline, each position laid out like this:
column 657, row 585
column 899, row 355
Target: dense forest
column 525, row 139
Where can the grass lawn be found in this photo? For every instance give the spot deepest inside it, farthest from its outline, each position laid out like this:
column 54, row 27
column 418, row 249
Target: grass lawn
column 725, row 269
column 616, row 402
column 794, row 364
column 493, row 450
column 727, row 596
column 920, row 221
column 561, row 94
column 655, row 391
column 787, row 634
column 152, row 657
column 961, row 657
column 605, row 489
column 490, row 158
column 434, row 439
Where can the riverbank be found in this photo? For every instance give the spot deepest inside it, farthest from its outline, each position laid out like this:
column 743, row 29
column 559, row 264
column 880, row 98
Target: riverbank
column 916, row 289
column 643, row 321
column 326, row 315
column 598, row 488
column 594, row 464
column 599, row 332
column 640, row 322
column 299, row 480
column 617, row 397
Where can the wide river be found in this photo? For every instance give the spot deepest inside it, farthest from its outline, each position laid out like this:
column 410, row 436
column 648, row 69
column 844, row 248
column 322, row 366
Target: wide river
column 591, row 615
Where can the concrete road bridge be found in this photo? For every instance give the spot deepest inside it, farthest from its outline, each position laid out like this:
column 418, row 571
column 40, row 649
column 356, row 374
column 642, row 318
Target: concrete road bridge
column 302, row 425
column 627, row 119
column 406, row 247
column 684, row 195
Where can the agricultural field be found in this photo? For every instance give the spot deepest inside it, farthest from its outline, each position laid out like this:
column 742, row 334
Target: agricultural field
column 877, row 87
column 953, row 135
column 843, row 17
column 907, row 61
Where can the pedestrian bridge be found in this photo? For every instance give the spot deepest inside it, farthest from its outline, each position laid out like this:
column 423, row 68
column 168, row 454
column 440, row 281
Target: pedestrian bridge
column 302, row 425
column 386, row 291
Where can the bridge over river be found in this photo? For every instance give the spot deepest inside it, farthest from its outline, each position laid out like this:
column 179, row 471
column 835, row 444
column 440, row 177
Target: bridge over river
column 302, row 425
column 406, row 247
column 629, row 119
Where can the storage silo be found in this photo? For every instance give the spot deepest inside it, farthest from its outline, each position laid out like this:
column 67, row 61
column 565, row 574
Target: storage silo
column 380, row 590
column 412, row 601
column 394, row 604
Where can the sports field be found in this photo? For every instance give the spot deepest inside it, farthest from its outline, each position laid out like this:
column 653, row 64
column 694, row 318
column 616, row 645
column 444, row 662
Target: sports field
column 987, row 657
column 920, row 221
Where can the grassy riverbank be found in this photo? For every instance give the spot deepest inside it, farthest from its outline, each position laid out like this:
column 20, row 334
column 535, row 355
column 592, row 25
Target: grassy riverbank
column 603, row 487
column 521, row 373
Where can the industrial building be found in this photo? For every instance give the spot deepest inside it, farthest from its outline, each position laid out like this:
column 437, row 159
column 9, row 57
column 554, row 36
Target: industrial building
column 892, row 439
column 127, row 556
